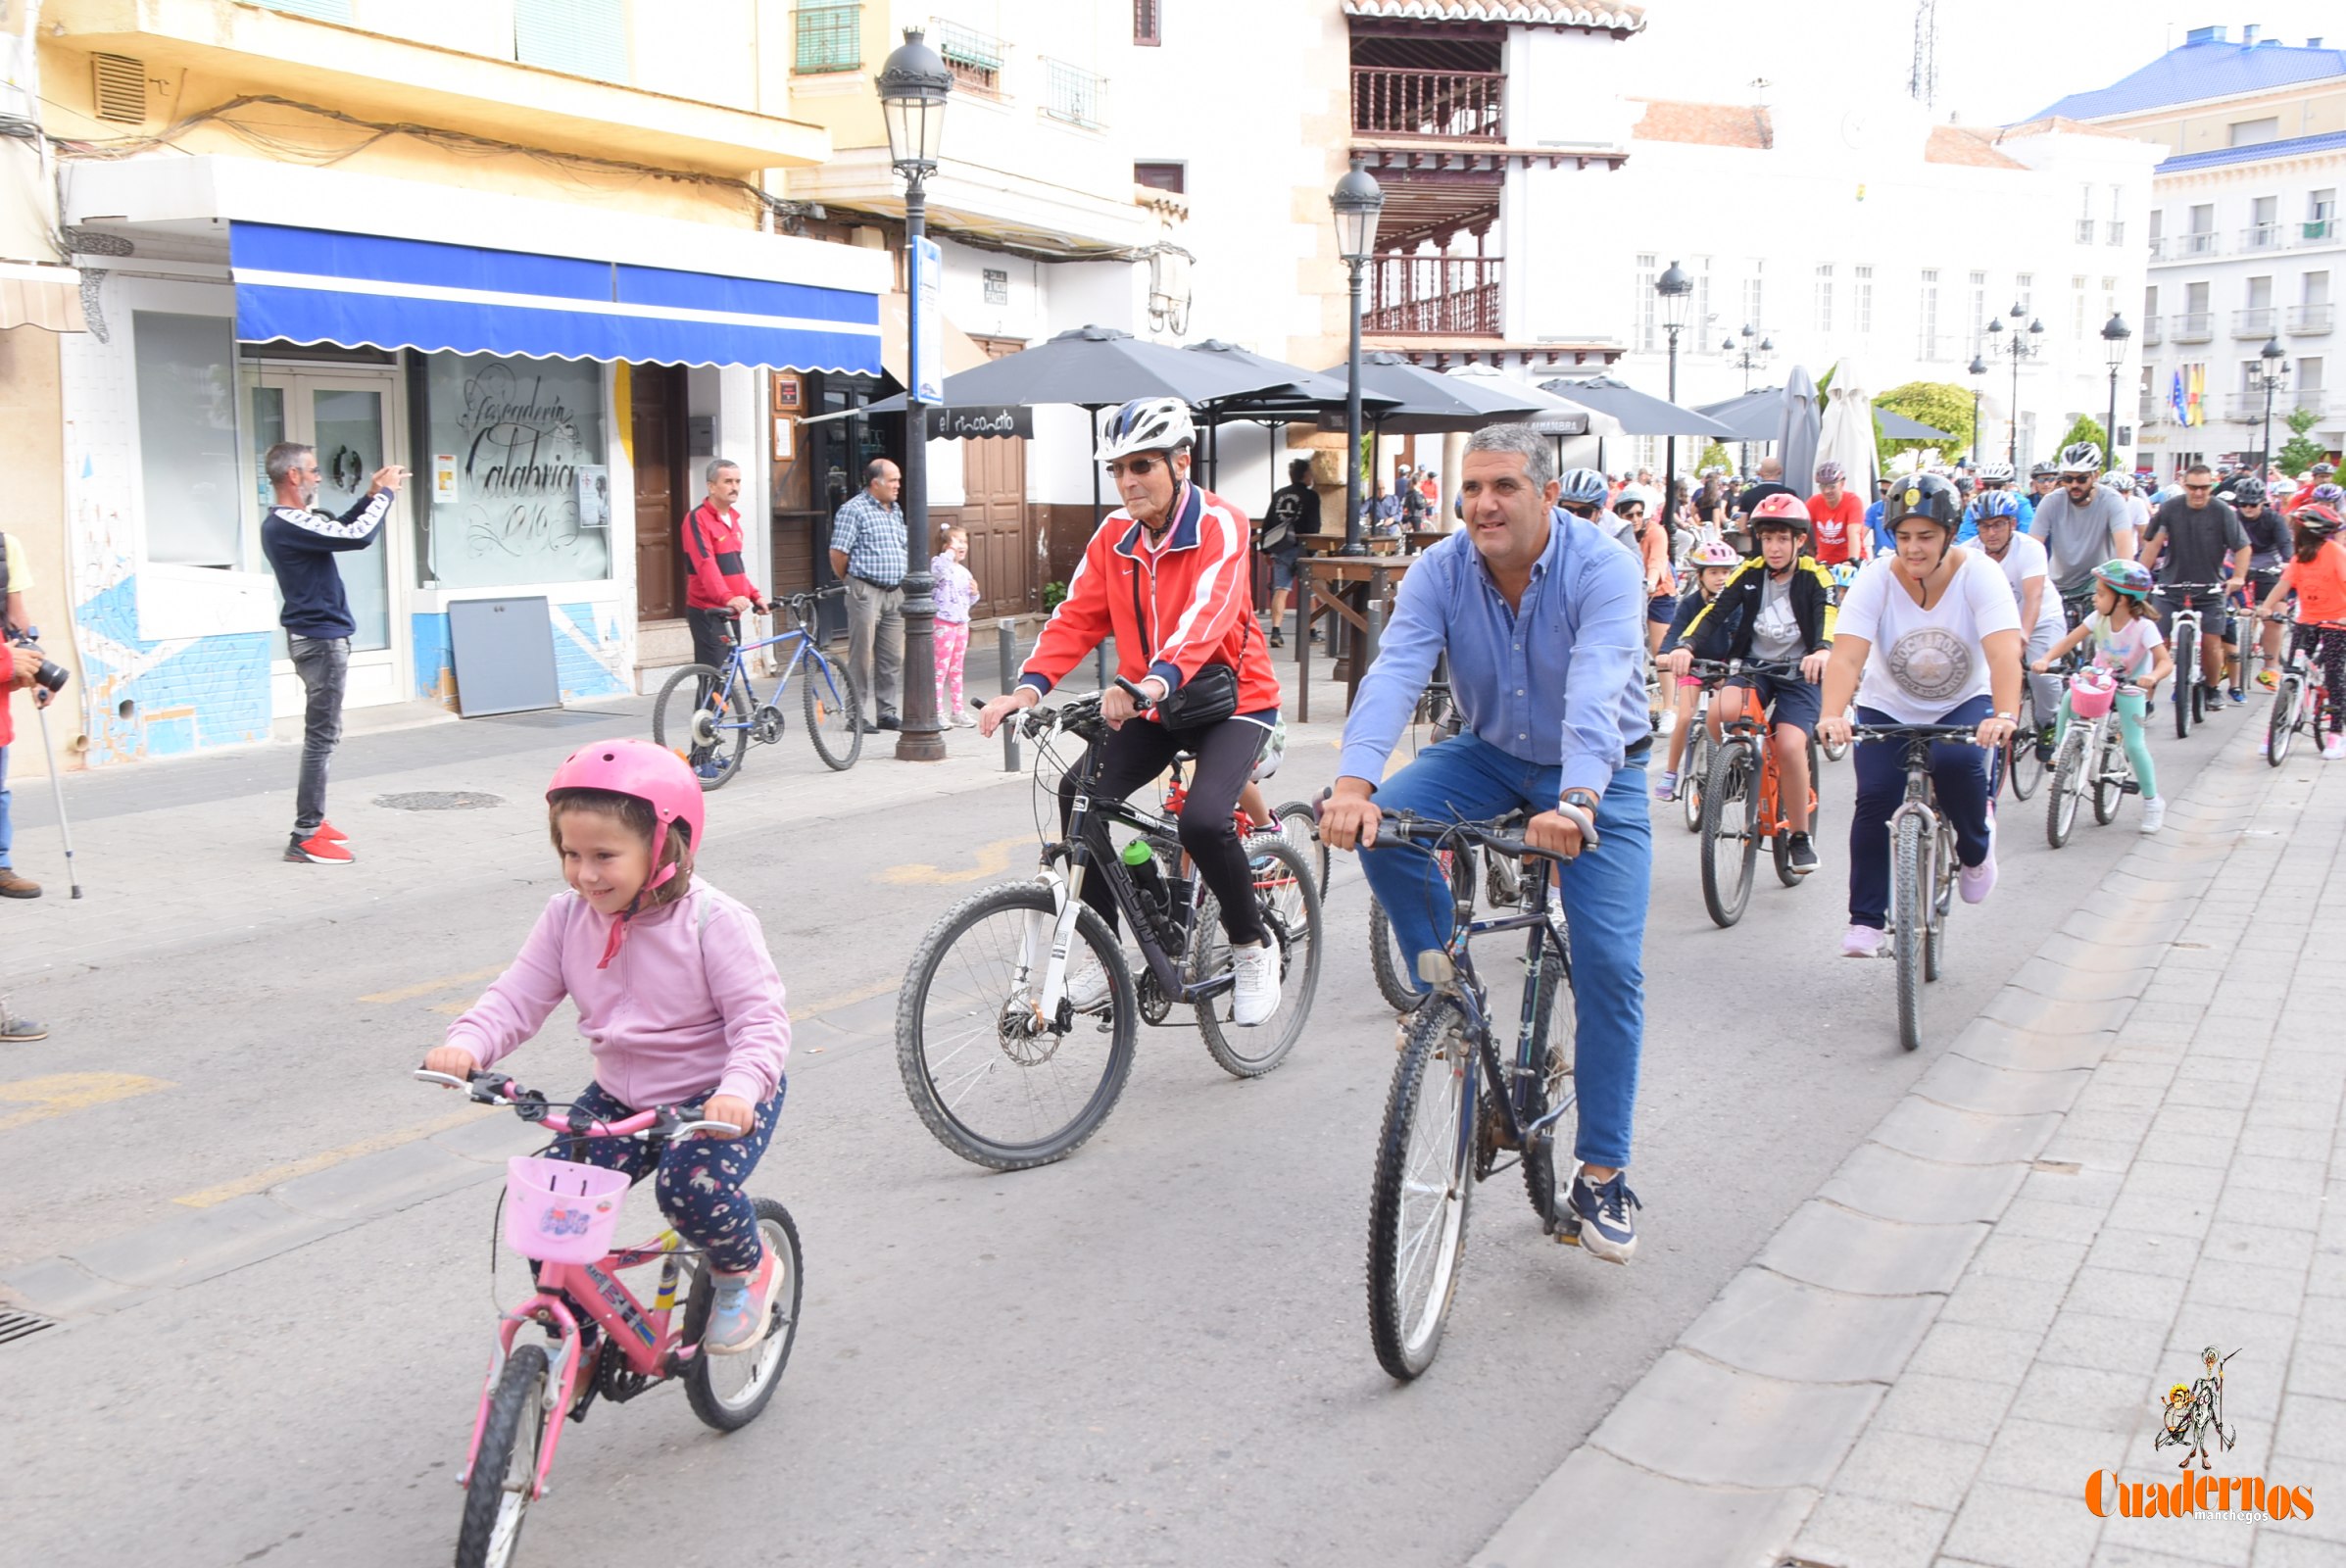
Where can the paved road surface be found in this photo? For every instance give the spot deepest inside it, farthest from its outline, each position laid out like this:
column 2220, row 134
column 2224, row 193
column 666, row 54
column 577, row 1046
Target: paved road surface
column 1153, row 1352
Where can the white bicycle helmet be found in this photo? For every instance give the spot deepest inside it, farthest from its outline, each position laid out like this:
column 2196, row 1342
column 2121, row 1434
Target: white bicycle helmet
column 1582, row 487
column 1996, row 472
column 2081, row 458
column 1147, row 424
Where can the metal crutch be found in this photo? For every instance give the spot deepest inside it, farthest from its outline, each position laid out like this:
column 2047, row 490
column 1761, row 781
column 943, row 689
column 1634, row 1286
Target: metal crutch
column 57, row 788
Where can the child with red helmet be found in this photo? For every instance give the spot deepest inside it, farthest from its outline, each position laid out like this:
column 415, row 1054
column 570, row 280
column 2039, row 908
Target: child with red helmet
column 678, row 1000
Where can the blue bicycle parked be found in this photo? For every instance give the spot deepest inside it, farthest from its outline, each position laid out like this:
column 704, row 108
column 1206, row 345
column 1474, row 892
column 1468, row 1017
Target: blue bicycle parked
column 710, row 716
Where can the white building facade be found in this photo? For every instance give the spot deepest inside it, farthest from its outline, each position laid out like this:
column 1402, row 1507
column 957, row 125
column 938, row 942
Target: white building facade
column 2246, row 252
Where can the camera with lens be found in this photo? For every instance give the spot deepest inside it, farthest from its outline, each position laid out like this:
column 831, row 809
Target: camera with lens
column 52, row 676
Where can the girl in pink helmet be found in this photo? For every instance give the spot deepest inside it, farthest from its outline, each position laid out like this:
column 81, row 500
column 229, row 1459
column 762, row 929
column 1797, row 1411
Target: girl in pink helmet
column 677, row 999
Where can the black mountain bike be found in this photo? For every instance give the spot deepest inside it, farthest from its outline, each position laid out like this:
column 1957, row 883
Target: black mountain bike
column 1446, row 1125
column 1015, row 1028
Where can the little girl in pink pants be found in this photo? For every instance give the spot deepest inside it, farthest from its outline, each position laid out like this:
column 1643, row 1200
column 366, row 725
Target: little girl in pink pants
column 956, row 593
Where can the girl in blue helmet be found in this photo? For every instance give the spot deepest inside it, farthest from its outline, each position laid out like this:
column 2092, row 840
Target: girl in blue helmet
column 2127, row 643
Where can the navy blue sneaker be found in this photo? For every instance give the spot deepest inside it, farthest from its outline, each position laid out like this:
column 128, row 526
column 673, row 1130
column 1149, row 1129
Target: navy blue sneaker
column 1602, row 1218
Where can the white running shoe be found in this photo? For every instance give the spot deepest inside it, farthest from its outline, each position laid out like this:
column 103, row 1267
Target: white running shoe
column 1087, row 983
column 1861, row 942
column 2333, row 747
column 1256, row 994
column 2154, row 813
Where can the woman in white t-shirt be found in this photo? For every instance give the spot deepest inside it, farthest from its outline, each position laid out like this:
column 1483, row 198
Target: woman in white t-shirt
column 1928, row 635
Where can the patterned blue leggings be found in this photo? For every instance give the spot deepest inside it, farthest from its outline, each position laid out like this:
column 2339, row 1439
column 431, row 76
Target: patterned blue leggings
column 700, row 1178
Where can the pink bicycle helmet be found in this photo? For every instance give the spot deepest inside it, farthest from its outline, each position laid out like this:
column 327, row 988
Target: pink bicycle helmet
column 653, row 774
column 1717, row 553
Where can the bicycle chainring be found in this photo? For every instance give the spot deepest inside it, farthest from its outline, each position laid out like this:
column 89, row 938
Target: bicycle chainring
column 768, row 725
column 1155, row 1005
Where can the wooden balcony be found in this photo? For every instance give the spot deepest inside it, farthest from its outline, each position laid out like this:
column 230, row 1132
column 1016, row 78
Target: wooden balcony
column 1438, row 105
column 1430, row 296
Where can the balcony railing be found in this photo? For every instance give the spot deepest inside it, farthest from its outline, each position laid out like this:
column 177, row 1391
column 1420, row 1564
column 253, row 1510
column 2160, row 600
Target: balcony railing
column 2261, row 237
column 2247, row 407
column 827, row 37
column 2192, row 326
column 2152, row 410
column 2152, row 334
column 2118, row 231
column 2320, row 231
column 2312, row 400
column 2310, row 320
column 2202, row 243
column 974, row 58
column 2084, row 231
column 1420, row 296
column 1453, row 105
column 2258, row 321
column 1072, row 94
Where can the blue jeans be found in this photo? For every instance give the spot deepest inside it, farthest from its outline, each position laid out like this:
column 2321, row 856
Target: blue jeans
column 1959, row 778
column 1606, row 894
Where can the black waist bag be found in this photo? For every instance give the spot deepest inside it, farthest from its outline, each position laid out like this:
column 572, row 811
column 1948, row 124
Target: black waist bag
column 1206, row 698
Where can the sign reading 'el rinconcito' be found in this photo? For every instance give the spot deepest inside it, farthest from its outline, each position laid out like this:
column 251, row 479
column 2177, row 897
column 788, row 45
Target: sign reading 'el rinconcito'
column 521, row 431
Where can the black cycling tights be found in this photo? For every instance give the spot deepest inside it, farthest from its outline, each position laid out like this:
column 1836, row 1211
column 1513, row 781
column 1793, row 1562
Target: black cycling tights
column 2327, row 648
column 1226, row 755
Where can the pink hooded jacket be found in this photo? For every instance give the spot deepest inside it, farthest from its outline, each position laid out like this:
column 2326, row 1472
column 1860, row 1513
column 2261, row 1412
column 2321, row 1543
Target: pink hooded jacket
column 690, row 1004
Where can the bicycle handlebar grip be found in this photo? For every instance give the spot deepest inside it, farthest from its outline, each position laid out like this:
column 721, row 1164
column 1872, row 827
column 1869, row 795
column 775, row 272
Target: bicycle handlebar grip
column 1584, row 821
column 1131, row 689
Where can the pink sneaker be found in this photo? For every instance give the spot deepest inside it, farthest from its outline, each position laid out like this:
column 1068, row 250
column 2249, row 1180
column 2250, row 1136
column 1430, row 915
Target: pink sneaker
column 2333, row 747
column 743, row 1309
column 1861, row 942
column 1976, row 882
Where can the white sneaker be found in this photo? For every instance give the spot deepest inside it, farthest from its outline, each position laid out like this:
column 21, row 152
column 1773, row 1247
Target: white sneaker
column 2154, row 813
column 2333, row 747
column 1256, row 994
column 1088, row 985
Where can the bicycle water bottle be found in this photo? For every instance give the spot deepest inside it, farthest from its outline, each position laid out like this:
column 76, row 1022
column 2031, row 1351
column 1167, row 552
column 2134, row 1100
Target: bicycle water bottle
column 1139, row 863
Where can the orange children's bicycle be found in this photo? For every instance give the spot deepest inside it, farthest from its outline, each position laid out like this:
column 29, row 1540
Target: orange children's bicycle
column 1740, row 805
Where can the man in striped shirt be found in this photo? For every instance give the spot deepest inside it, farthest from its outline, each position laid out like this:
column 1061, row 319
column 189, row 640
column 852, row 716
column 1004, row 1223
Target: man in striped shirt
column 868, row 554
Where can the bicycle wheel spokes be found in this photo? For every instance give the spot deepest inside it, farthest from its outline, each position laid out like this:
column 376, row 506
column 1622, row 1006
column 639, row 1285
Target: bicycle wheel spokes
column 834, row 710
column 1730, row 831
column 2280, row 725
column 995, row 1081
column 703, row 714
column 1417, row 1210
column 728, row 1391
column 1287, row 901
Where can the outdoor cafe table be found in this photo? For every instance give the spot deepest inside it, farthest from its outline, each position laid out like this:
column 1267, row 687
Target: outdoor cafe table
column 1353, row 590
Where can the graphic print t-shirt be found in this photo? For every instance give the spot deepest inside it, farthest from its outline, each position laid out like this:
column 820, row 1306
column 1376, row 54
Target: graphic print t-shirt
column 2125, row 651
column 1926, row 663
column 1776, row 633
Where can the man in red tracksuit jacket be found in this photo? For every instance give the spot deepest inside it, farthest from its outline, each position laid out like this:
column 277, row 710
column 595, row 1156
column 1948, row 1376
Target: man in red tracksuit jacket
column 715, row 590
column 1169, row 575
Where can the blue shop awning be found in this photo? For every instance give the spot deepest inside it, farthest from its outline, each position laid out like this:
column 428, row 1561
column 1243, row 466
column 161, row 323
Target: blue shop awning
column 309, row 286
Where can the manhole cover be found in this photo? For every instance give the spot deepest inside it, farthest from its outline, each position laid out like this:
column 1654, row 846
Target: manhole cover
column 16, row 1325
column 440, row 801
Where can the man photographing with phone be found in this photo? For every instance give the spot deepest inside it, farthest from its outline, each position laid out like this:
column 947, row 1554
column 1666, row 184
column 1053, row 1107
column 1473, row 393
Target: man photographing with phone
column 301, row 545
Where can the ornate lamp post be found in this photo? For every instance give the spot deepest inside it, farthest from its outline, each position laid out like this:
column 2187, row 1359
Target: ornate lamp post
column 1677, row 292
column 2270, row 376
column 2023, row 345
column 2114, row 334
column 1357, row 201
column 1978, row 371
column 914, row 86
column 1751, row 358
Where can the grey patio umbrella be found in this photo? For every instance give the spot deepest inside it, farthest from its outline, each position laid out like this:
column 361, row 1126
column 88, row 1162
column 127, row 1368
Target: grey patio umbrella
column 1303, row 395
column 1430, row 402
column 1094, row 367
column 1750, row 416
column 1796, row 426
column 1896, row 426
column 1640, row 413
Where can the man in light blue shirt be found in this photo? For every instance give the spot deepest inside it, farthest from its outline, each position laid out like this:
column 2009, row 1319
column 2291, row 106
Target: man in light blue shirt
column 1543, row 621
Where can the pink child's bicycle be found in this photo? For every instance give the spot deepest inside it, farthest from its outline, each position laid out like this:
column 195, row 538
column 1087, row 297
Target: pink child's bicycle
column 563, row 1215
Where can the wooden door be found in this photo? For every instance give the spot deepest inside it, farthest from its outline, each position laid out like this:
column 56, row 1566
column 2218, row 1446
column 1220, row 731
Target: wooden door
column 656, row 416
column 1002, row 549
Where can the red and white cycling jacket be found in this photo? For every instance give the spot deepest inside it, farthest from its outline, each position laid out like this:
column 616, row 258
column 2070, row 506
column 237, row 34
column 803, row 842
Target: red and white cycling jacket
column 1196, row 596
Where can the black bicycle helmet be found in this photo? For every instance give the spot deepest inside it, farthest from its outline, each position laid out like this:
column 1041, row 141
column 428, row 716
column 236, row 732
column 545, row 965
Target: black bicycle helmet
column 1923, row 495
column 2247, row 493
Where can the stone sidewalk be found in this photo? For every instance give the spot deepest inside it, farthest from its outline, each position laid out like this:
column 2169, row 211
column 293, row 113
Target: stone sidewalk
column 2136, row 1153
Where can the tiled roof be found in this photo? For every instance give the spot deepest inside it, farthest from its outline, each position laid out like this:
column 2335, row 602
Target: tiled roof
column 2201, row 70
column 2255, row 152
column 1704, row 124
column 1971, row 146
column 1523, row 13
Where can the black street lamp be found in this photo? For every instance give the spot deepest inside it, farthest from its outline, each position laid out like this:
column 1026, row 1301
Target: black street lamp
column 2114, row 334
column 1751, row 358
column 1357, row 201
column 1977, row 370
column 2023, row 345
column 1677, row 292
column 913, row 84
column 2270, row 376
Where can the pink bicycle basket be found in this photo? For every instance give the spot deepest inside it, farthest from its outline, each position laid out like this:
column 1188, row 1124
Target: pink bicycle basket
column 560, row 1212
column 2091, row 692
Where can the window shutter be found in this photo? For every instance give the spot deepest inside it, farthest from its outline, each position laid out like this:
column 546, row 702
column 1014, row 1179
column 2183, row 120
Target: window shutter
column 582, row 37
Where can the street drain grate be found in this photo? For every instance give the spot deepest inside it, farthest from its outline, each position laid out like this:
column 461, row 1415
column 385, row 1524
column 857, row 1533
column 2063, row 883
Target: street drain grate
column 440, row 801
column 18, row 1325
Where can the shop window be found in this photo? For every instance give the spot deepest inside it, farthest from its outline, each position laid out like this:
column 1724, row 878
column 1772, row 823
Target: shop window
column 517, row 484
column 186, row 368
column 582, row 37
